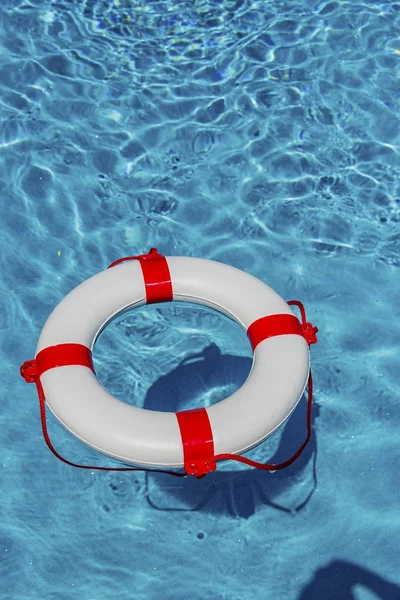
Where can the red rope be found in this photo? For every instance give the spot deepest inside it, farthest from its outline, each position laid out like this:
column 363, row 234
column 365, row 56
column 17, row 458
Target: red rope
column 286, row 463
column 152, row 253
column 29, row 373
column 309, row 333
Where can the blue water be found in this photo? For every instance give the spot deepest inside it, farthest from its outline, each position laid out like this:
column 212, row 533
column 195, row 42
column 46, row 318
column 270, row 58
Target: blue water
column 262, row 134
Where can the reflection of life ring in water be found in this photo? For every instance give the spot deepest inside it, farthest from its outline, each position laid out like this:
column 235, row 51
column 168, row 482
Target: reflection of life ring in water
column 190, row 439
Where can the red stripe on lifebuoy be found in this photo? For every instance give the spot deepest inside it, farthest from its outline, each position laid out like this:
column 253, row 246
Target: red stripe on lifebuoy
column 197, row 439
column 63, row 355
column 157, row 279
column 156, row 275
column 272, row 326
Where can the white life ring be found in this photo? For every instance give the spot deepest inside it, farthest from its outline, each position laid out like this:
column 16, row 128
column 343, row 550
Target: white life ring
column 153, row 439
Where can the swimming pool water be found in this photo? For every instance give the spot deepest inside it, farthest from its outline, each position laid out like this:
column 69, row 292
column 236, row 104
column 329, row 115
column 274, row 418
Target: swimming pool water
column 261, row 134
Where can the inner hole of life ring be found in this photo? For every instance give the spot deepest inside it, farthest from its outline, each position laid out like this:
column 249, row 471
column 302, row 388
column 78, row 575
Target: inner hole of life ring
column 172, row 357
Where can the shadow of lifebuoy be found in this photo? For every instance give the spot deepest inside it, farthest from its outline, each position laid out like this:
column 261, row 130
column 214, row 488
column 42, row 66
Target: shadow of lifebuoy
column 204, row 379
column 338, row 580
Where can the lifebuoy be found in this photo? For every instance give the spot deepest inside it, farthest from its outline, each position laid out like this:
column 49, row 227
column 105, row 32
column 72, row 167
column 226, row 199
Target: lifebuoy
column 167, row 440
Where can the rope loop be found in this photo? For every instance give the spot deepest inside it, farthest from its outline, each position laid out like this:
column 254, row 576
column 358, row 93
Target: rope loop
column 152, row 253
column 30, row 373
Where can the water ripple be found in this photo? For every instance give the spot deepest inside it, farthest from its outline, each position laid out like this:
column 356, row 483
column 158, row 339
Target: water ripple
column 262, row 134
